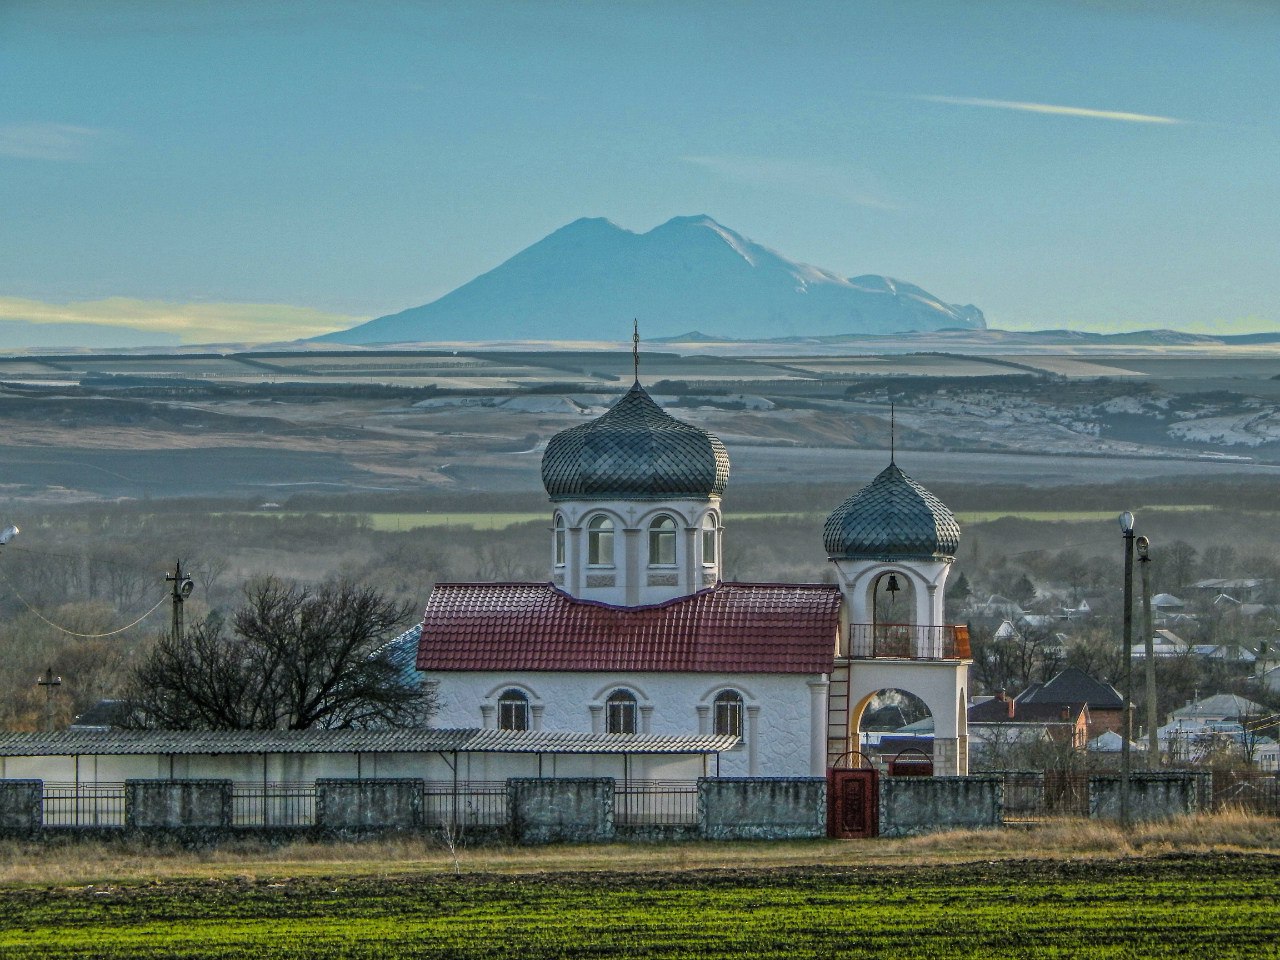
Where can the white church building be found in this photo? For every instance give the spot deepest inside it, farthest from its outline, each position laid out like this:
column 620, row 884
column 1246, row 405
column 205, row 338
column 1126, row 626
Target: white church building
column 636, row 632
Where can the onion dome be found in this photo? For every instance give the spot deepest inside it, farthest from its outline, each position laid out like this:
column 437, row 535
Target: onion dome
column 892, row 518
column 635, row 451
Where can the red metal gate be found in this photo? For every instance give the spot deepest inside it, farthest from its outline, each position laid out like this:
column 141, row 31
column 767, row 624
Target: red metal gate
column 853, row 801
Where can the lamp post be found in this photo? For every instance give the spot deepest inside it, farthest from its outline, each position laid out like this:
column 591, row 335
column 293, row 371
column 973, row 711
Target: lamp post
column 1126, row 528
column 1143, row 546
column 182, row 587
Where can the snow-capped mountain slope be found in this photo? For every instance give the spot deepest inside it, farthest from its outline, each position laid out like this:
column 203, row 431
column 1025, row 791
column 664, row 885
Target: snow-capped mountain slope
column 588, row 279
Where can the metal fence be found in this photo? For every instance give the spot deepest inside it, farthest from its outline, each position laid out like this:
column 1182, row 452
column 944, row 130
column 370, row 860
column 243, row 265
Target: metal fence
column 651, row 803
column 907, row 641
column 1246, row 790
column 83, row 805
column 283, row 804
column 468, row 803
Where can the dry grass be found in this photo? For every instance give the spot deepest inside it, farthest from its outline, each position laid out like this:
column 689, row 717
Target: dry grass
column 66, row 863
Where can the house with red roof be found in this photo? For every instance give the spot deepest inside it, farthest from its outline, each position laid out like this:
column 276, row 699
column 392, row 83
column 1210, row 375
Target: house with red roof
column 635, row 631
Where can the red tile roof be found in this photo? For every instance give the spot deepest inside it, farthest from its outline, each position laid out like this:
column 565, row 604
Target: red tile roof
column 733, row 627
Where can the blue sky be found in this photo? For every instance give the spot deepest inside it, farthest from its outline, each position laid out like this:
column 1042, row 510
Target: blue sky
column 1092, row 165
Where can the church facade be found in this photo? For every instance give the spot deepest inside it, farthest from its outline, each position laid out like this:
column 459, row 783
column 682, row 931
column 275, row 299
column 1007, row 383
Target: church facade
column 636, row 632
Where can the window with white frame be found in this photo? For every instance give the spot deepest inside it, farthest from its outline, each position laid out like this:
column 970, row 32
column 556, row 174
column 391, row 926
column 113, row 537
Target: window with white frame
column 513, row 711
column 726, row 714
column 662, row 542
column 559, row 540
column 600, row 542
column 709, row 533
column 620, row 711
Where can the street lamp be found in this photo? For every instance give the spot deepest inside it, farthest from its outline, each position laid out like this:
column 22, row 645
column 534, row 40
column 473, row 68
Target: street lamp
column 1143, row 546
column 1126, row 528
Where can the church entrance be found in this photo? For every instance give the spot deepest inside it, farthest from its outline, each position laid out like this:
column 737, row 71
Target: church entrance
column 853, row 798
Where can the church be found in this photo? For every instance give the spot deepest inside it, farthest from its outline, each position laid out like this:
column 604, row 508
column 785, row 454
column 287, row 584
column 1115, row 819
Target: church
column 636, row 632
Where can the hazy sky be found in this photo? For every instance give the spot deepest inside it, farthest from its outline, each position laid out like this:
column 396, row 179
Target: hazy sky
column 1108, row 165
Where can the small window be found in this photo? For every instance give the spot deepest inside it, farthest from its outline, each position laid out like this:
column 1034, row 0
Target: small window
column 513, row 711
column 600, row 542
column 559, row 541
column 727, row 714
column 662, row 542
column 620, row 712
column 709, row 538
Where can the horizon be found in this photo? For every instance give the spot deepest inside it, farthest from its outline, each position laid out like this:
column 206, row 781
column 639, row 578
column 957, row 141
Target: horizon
column 259, row 173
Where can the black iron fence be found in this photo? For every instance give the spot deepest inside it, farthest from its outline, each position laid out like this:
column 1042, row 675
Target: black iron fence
column 1246, row 790
column 654, row 803
column 467, row 803
column 905, row 641
column 83, row 805
column 283, row 804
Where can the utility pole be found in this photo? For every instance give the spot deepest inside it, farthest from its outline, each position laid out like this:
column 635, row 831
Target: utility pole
column 1126, row 731
column 182, row 587
column 1153, row 719
column 49, row 682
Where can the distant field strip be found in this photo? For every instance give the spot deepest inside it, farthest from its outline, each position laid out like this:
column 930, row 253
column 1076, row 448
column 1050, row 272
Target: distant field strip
column 398, row 522
column 1212, row 906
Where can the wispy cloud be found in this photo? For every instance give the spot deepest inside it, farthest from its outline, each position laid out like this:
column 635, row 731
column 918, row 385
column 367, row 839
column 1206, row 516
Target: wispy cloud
column 847, row 183
column 193, row 322
column 46, row 141
column 1052, row 108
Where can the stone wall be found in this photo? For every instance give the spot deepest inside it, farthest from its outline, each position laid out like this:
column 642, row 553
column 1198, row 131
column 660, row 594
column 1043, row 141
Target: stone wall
column 21, row 805
column 577, row 810
column 1152, row 796
column 177, row 804
column 911, row 805
column 390, row 804
column 762, row 808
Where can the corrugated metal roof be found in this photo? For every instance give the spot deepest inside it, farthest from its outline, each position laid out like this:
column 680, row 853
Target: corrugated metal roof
column 732, row 628
column 179, row 742
column 637, row 449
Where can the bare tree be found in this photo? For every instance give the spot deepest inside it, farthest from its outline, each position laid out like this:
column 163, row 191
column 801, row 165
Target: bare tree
column 293, row 658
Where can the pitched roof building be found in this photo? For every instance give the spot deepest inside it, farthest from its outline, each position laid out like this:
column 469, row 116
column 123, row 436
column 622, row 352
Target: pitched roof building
column 637, row 631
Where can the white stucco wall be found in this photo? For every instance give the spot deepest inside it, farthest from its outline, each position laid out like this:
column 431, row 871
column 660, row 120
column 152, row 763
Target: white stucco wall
column 630, row 580
column 779, row 711
column 307, row 767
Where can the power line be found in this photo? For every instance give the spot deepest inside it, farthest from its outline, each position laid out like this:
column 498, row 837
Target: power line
column 73, row 633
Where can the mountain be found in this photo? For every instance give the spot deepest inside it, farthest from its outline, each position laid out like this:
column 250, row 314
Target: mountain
column 590, row 278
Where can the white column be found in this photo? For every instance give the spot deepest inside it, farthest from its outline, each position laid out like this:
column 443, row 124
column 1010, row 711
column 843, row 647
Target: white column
column 704, row 721
column 753, row 740
column 597, row 717
column 537, row 710
column 488, row 716
column 690, row 572
column 646, row 717
column 633, row 568
column 818, row 726
column 574, row 561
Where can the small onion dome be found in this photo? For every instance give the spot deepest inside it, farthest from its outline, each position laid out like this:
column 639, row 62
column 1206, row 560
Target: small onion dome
column 892, row 518
column 635, row 451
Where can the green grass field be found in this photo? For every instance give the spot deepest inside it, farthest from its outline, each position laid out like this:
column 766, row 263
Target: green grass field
column 1211, row 906
column 399, row 522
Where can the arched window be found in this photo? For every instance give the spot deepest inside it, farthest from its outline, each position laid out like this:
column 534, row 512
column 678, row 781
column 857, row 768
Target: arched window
column 559, row 540
column 726, row 716
column 620, row 712
column 600, row 542
column 662, row 542
column 709, row 538
column 513, row 711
